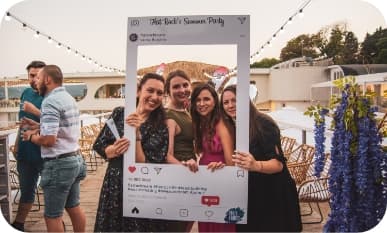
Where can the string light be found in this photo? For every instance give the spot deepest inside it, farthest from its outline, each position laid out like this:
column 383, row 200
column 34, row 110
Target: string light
column 290, row 21
column 269, row 42
column 50, row 39
column 282, row 30
column 299, row 12
column 37, row 34
column 8, row 16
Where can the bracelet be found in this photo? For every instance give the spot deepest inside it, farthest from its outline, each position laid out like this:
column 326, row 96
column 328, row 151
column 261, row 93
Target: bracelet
column 30, row 138
column 138, row 139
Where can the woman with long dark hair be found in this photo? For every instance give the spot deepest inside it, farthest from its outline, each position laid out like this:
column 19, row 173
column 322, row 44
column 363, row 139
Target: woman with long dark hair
column 212, row 140
column 272, row 195
column 151, row 147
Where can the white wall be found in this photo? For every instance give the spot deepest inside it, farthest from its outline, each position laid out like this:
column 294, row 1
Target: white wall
column 294, row 84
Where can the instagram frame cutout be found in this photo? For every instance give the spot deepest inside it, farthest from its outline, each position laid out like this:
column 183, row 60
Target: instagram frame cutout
column 170, row 191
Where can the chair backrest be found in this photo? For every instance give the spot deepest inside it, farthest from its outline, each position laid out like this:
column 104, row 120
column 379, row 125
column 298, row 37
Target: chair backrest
column 315, row 189
column 303, row 153
column 287, row 144
column 13, row 175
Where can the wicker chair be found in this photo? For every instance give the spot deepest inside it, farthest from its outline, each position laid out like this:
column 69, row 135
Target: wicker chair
column 287, row 144
column 15, row 185
column 14, row 179
column 303, row 153
column 315, row 190
column 88, row 154
column 299, row 161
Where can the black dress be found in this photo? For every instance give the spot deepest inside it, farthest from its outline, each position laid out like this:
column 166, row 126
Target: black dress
column 110, row 214
column 272, row 198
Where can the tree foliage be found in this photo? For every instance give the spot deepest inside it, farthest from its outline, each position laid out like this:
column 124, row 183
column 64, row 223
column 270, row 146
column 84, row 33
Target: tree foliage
column 373, row 49
column 340, row 44
column 303, row 45
column 351, row 48
column 265, row 63
column 335, row 45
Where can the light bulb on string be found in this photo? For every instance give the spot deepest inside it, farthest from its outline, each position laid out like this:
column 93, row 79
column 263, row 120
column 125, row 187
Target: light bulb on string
column 89, row 60
column 37, row 34
column 290, row 21
column 8, row 17
column 282, row 30
column 68, row 49
column 76, row 53
column 83, row 57
column 301, row 13
column 49, row 40
column 24, row 27
column 58, row 45
column 274, row 37
column 269, row 44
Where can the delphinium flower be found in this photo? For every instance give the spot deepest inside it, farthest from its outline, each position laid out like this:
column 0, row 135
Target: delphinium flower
column 378, row 164
column 337, row 217
column 319, row 138
column 363, row 175
column 359, row 166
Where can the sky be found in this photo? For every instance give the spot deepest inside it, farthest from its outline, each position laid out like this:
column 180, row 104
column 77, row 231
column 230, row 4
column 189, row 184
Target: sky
column 97, row 28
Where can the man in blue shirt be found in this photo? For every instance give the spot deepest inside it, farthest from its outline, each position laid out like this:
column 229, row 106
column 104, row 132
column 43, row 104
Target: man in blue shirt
column 29, row 161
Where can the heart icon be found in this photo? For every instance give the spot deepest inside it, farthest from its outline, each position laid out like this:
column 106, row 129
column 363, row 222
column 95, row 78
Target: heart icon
column 209, row 213
column 132, row 169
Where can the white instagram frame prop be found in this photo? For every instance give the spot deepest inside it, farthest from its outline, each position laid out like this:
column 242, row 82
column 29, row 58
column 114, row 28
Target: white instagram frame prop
column 166, row 191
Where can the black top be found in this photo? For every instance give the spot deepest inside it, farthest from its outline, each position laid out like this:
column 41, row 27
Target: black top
column 272, row 198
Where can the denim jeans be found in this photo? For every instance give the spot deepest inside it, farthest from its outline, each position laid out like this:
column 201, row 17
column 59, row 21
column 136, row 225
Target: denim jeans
column 28, row 179
column 61, row 184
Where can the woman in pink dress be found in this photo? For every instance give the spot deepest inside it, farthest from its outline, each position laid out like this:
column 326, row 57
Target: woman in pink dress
column 212, row 140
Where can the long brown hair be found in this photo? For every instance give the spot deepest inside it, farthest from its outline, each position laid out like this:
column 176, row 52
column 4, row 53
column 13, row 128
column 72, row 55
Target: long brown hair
column 228, row 121
column 201, row 127
column 257, row 120
column 157, row 117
